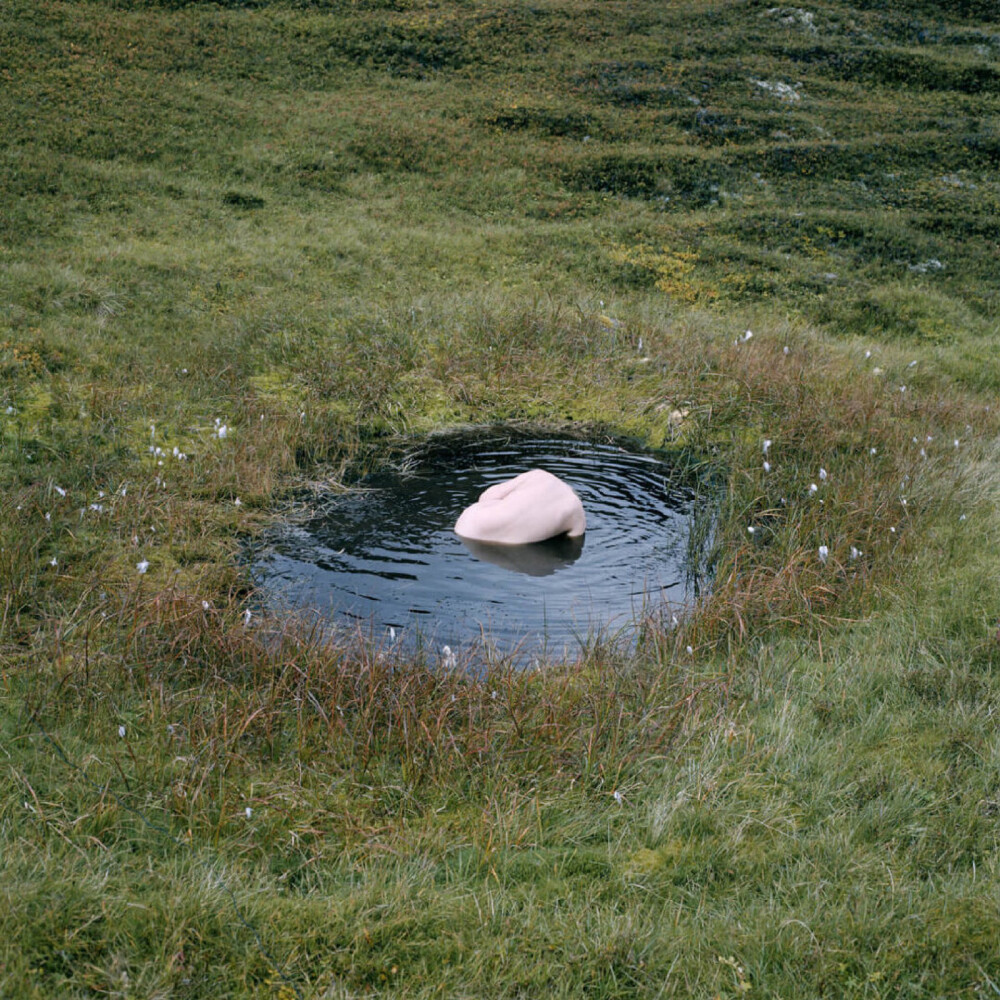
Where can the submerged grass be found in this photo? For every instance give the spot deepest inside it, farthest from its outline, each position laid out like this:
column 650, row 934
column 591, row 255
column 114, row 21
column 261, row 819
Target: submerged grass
column 246, row 246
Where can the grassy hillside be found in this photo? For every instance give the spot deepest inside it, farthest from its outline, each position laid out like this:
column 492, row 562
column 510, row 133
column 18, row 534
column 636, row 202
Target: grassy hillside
column 330, row 225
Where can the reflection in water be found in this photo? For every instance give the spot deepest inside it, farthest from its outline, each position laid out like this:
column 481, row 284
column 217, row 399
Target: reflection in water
column 538, row 559
column 386, row 556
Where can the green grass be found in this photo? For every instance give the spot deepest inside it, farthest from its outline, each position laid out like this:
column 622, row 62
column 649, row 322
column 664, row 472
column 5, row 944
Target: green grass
column 335, row 226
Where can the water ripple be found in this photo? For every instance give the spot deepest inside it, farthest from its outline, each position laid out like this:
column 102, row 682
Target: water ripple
column 387, row 555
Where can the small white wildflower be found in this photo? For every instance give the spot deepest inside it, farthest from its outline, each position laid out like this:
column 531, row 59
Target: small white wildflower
column 902, row 500
column 59, row 490
column 923, row 453
column 868, row 354
column 873, row 451
column 176, row 451
column 248, row 811
column 205, row 605
column 751, row 529
column 813, row 488
column 911, row 364
column 690, row 650
column 855, row 553
column 618, row 797
column 956, row 442
column 392, row 634
column 902, row 388
column 962, row 518
column 53, row 561
column 121, row 732
column 222, row 432
column 247, row 615
column 892, row 531
column 824, row 553
column 787, row 350
column 929, row 438
column 747, row 336
column 914, row 439
column 142, row 566
column 237, row 502
column 11, row 411
column 98, row 507
column 822, row 474
column 302, row 415
column 767, row 445
column 767, row 466
column 48, row 516
column 876, row 370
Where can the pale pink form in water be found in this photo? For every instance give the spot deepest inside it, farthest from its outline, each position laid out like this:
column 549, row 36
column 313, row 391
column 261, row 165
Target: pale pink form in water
column 529, row 508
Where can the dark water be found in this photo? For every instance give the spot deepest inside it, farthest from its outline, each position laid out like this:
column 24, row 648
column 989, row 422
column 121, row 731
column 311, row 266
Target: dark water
column 386, row 556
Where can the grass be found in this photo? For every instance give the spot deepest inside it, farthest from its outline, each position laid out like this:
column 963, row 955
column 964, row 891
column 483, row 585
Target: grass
column 335, row 226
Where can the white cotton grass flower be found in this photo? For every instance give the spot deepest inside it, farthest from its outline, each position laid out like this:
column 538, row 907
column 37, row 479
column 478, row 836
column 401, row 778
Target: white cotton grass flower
column 248, row 812
column 59, row 490
column 53, row 561
column 856, row 553
column 205, row 606
column 868, row 354
column 690, row 650
column 618, row 797
column 786, row 350
column 813, row 488
column 767, row 445
column 448, row 658
column 142, row 566
column 247, row 615
column 822, row 474
column 824, row 553
column 237, row 502
column 121, row 732
column 957, row 442
column 767, row 466
column 751, row 529
column 873, row 451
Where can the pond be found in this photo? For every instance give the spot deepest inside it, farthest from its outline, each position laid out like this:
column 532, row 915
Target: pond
column 384, row 557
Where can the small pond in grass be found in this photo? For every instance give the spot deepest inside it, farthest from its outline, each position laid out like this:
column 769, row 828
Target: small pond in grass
column 383, row 557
